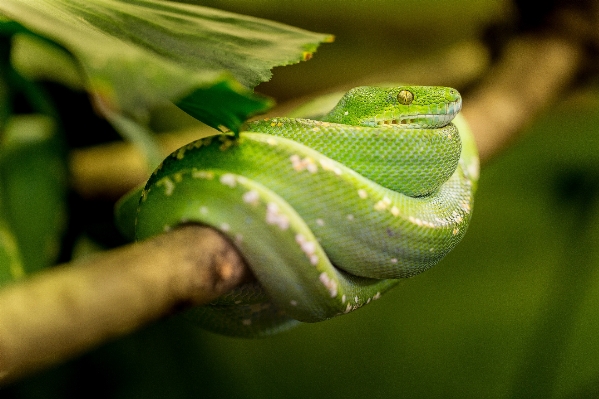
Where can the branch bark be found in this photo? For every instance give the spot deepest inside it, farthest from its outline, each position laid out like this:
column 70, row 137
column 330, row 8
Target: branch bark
column 72, row 308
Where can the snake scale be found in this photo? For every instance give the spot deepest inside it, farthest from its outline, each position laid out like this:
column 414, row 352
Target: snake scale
column 328, row 213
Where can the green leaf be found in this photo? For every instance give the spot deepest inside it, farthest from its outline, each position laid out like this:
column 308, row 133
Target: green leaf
column 137, row 54
column 11, row 266
column 33, row 190
column 221, row 105
column 37, row 59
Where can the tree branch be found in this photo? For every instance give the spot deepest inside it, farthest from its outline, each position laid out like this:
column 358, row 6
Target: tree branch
column 533, row 73
column 71, row 308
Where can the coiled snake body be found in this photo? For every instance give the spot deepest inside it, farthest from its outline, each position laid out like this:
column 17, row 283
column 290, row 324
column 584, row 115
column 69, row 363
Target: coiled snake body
column 328, row 213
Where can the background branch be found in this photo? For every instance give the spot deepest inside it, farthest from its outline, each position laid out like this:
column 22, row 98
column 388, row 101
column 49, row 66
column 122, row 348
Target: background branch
column 534, row 72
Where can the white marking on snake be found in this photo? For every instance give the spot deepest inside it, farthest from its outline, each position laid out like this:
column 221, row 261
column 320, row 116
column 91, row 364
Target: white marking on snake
column 395, row 211
column 376, row 296
column 225, row 227
column 251, row 197
column 343, row 298
column 466, row 207
column 329, row 165
column 204, row 210
column 415, row 221
column 258, row 307
column 382, row 204
column 310, row 165
column 299, row 164
column 329, row 283
column 350, row 217
column 168, row 185
column 393, row 260
column 228, row 179
column 362, row 194
column 275, row 217
column 308, row 248
column 293, row 302
column 320, row 222
column 202, row 174
column 296, row 162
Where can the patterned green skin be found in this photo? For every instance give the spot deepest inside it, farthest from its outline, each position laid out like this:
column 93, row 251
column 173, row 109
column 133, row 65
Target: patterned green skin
column 328, row 214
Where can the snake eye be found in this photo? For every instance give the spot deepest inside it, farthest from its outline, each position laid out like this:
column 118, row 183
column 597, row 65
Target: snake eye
column 405, row 97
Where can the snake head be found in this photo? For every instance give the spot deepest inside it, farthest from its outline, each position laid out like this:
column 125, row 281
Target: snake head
column 401, row 106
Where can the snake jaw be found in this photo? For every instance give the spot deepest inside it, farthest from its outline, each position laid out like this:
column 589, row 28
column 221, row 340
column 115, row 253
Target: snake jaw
column 427, row 121
column 433, row 116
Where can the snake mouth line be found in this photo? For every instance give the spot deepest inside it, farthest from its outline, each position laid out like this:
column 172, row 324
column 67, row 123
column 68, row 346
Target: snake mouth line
column 421, row 120
column 437, row 116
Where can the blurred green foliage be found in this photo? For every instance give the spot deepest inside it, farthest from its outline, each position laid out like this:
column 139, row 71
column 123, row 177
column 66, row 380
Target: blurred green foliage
column 33, row 181
column 32, row 173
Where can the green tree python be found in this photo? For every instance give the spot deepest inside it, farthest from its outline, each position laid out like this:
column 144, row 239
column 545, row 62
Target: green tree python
column 328, row 212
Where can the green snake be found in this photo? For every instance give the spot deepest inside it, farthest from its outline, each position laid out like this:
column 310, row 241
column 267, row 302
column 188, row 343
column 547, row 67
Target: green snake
column 328, row 213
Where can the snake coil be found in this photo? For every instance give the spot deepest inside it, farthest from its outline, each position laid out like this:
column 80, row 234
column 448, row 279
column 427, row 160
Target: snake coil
column 328, row 213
